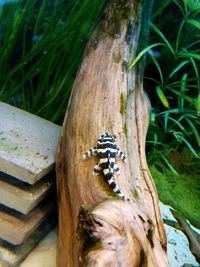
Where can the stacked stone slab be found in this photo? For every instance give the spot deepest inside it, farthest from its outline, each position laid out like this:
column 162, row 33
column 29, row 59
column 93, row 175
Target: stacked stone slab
column 27, row 182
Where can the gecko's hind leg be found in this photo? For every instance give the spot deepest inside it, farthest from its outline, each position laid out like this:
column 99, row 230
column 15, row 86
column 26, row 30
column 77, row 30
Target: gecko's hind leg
column 116, row 169
column 97, row 170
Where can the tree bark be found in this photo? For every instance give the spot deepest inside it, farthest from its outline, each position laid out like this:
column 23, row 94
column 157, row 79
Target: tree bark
column 95, row 227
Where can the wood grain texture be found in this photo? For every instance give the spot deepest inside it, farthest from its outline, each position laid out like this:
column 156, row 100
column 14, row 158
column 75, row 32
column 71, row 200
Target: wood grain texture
column 96, row 228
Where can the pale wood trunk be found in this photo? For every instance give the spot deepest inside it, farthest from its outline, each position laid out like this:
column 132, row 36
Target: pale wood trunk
column 95, row 227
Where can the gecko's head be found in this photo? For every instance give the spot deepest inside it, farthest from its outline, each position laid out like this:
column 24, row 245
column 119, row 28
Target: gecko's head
column 106, row 134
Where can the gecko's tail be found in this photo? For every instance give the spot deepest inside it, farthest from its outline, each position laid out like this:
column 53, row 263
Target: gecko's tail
column 113, row 184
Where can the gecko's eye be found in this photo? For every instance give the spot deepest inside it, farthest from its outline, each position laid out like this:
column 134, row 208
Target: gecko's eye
column 104, row 135
column 108, row 135
column 111, row 136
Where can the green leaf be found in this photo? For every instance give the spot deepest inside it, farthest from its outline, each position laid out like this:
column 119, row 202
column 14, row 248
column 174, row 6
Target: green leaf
column 174, row 110
column 179, row 35
column 178, row 124
column 152, row 116
column 190, row 147
column 193, row 5
column 183, row 63
column 183, row 82
column 184, row 96
column 162, row 97
column 197, row 104
column 47, row 38
column 155, row 139
column 194, row 23
column 183, row 89
column 190, row 54
column 159, row 7
column 156, row 29
column 180, row 6
column 169, row 165
column 180, row 137
column 195, row 132
column 157, row 65
column 166, row 116
column 196, row 72
column 145, row 50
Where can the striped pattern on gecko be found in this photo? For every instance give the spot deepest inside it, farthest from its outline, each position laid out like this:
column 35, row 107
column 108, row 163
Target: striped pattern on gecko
column 106, row 151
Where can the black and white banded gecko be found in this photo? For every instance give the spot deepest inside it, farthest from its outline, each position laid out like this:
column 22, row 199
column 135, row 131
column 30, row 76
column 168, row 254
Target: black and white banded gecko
column 107, row 150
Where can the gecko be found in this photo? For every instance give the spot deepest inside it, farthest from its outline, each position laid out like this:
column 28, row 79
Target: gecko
column 106, row 151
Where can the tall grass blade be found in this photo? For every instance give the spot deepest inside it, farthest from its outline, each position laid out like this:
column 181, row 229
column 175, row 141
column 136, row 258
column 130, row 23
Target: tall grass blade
column 180, row 6
column 52, row 36
column 190, row 147
column 155, row 61
column 169, row 165
column 179, row 67
column 195, row 132
column 178, row 39
column 168, row 45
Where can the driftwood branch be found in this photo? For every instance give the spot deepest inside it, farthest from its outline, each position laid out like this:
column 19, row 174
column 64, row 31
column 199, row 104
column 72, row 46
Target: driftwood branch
column 95, row 227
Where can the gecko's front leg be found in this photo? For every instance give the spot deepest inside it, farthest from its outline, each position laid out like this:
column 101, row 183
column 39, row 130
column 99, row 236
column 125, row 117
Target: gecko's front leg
column 121, row 154
column 90, row 153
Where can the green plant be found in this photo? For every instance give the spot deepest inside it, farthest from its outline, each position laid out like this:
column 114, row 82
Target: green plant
column 172, row 79
column 176, row 191
column 41, row 46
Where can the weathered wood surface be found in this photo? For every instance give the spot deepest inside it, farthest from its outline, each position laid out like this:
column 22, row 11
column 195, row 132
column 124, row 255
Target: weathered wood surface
column 108, row 97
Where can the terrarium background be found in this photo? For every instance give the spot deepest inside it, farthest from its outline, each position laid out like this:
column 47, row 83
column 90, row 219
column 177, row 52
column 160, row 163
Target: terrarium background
column 41, row 47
